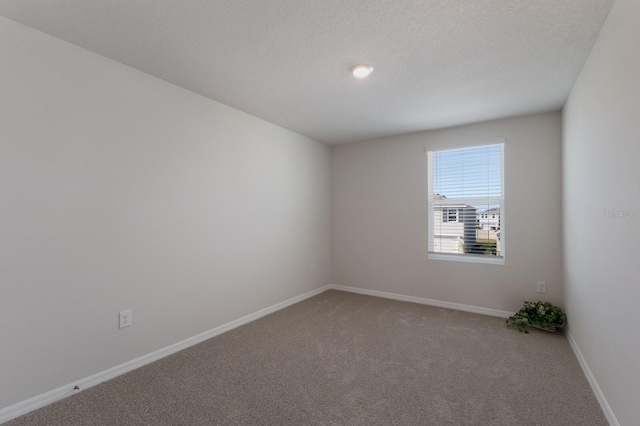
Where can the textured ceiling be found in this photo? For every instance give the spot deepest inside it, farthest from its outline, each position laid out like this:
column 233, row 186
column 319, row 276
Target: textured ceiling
column 438, row 63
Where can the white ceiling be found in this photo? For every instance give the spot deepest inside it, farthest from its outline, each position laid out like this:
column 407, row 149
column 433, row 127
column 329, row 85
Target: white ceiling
column 438, row 63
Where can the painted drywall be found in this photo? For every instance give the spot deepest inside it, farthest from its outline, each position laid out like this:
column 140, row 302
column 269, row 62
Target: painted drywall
column 121, row 191
column 602, row 210
column 379, row 216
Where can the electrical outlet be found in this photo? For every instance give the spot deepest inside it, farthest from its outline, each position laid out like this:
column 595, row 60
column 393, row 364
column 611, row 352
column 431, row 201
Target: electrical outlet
column 542, row 287
column 125, row 318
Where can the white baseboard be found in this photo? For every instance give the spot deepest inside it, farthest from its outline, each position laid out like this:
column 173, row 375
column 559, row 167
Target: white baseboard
column 54, row 395
column 606, row 408
column 21, row 408
column 423, row 301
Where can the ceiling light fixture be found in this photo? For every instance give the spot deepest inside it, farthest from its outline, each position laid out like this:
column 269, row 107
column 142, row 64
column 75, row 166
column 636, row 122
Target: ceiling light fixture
column 361, row 70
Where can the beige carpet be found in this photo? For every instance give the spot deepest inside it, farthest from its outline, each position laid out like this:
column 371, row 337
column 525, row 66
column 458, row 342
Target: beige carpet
column 346, row 359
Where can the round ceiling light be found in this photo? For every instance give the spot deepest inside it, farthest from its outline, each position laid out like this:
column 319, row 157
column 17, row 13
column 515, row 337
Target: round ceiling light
column 361, row 70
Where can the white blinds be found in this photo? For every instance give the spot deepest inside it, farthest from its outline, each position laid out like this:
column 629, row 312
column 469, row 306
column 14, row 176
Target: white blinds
column 466, row 201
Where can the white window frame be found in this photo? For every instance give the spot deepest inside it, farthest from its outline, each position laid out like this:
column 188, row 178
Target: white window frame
column 432, row 203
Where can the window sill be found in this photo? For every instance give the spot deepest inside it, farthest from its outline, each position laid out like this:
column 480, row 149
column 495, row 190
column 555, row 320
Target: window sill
column 490, row 260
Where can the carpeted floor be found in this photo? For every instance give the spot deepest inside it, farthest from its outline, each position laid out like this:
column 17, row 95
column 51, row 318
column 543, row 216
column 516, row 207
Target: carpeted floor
column 346, row 359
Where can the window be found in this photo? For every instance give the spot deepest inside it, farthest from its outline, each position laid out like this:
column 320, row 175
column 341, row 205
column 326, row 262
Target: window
column 466, row 203
column 449, row 215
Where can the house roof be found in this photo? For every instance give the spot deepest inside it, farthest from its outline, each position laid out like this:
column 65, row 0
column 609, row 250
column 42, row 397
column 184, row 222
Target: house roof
column 455, row 206
column 437, row 63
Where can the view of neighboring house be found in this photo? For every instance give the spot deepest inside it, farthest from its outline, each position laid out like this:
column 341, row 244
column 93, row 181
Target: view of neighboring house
column 461, row 228
column 488, row 222
column 454, row 226
column 489, row 219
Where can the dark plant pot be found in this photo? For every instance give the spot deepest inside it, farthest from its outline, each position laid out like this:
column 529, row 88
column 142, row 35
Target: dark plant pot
column 550, row 329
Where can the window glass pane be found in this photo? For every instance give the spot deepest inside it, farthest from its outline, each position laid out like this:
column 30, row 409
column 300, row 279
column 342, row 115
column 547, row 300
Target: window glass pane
column 466, row 201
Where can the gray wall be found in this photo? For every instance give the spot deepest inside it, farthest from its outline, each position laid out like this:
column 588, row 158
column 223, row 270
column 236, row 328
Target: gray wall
column 379, row 216
column 601, row 175
column 122, row 191
column 119, row 191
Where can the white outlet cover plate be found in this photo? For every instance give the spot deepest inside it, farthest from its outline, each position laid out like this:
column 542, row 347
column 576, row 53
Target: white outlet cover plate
column 542, row 287
column 125, row 319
